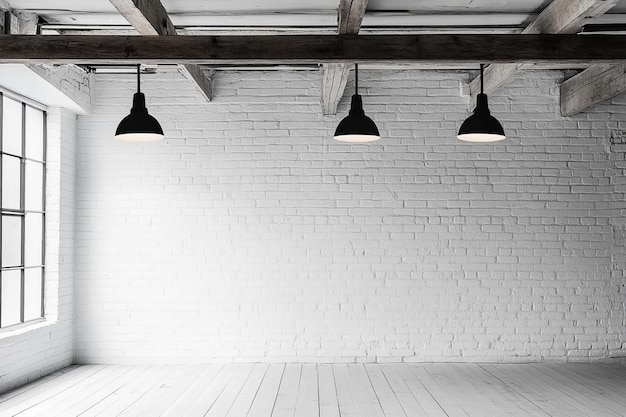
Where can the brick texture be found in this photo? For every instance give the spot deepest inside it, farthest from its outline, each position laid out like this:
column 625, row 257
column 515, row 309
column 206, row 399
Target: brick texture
column 249, row 234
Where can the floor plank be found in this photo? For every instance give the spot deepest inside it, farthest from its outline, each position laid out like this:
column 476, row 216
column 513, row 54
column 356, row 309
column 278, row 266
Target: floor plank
column 346, row 400
column 47, row 392
column 193, row 391
column 386, row 397
column 288, row 391
column 227, row 397
column 211, row 393
column 325, row 390
column 307, row 401
column 265, row 399
column 241, row 406
column 410, row 406
column 328, row 403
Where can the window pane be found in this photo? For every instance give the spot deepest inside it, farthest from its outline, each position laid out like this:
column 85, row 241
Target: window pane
column 11, row 182
column 33, row 243
column 33, row 197
column 32, row 293
column 11, row 297
column 11, row 126
column 34, row 133
column 11, row 241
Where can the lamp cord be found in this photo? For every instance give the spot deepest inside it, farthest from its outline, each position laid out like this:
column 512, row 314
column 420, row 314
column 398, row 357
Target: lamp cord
column 482, row 66
column 356, row 79
column 138, row 83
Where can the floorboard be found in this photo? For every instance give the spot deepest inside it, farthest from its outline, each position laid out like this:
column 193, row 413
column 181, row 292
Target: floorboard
column 325, row 390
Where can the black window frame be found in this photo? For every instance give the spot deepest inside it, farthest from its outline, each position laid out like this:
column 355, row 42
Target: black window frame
column 22, row 212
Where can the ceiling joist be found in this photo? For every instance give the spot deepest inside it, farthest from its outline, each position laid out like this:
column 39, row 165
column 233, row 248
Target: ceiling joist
column 595, row 85
column 312, row 49
column 560, row 16
column 149, row 17
column 335, row 76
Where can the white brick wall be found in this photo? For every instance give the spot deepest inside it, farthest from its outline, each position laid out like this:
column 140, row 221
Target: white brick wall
column 250, row 235
column 36, row 350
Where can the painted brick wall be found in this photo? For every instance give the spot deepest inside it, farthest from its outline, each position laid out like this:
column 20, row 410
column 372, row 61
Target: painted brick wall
column 250, row 235
column 36, row 350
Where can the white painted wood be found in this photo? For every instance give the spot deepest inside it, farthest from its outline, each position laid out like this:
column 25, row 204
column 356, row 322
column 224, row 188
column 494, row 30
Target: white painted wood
column 535, row 390
column 160, row 396
column 205, row 400
column 227, row 397
column 307, row 402
column 500, row 394
column 93, row 396
column 263, row 403
column 368, row 403
column 44, row 392
column 386, row 396
column 248, row 392
column 340, row 390
column 28, row 390
column 121, row 395
column 442, row 392
column 346, row 399
column 77, row 393
column 602, row 405
column 328, row 403
column 193, row 391
column 410, row 406
column 416, row 387
column 288, row 391
column 560, row 16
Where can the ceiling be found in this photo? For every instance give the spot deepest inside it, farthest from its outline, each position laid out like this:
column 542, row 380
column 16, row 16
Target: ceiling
column 321, row 17
column 312, row 16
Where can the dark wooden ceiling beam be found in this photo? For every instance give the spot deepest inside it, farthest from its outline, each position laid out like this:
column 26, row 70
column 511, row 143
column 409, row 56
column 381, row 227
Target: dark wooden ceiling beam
column 306, row 49
column 335, row 76
column 560, row 16
column 149, row 17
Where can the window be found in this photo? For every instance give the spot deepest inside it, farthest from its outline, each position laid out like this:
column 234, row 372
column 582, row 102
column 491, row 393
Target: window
column 22, row 203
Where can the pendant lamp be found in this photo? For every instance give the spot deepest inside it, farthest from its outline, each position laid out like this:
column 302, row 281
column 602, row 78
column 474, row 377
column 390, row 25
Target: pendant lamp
column 481, row 126
column 139, row 126
column 357, row 127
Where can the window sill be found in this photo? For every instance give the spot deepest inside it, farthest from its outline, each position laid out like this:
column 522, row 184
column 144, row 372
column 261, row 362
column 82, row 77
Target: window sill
column 22, row 328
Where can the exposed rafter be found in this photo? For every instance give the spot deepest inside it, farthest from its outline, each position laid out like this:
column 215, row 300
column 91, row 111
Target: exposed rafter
column 560, row 16
column 312, row 49
column 595, row 85
column 149, row 17
column 349, row 15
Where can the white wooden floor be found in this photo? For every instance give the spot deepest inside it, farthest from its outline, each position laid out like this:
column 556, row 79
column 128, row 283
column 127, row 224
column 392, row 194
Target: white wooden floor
column 338, row 390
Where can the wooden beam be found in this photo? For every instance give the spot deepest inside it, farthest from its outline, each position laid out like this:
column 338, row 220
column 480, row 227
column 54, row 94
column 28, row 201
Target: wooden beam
column 560, row 16
column 595, row 85
column 311, row 49
column 350, row 16
column 149, row 17
column 335, row 76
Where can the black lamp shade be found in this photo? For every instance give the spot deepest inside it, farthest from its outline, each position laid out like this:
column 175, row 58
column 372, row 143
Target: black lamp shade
column 139, row 126
column 356, row 126
column 481, row 126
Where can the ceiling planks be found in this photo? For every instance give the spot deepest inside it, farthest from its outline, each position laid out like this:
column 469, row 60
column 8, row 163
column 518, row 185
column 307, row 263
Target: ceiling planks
column 149, row 17
column 560, row 16
column 313, row 49
column 595, row 85
column 335, row 76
